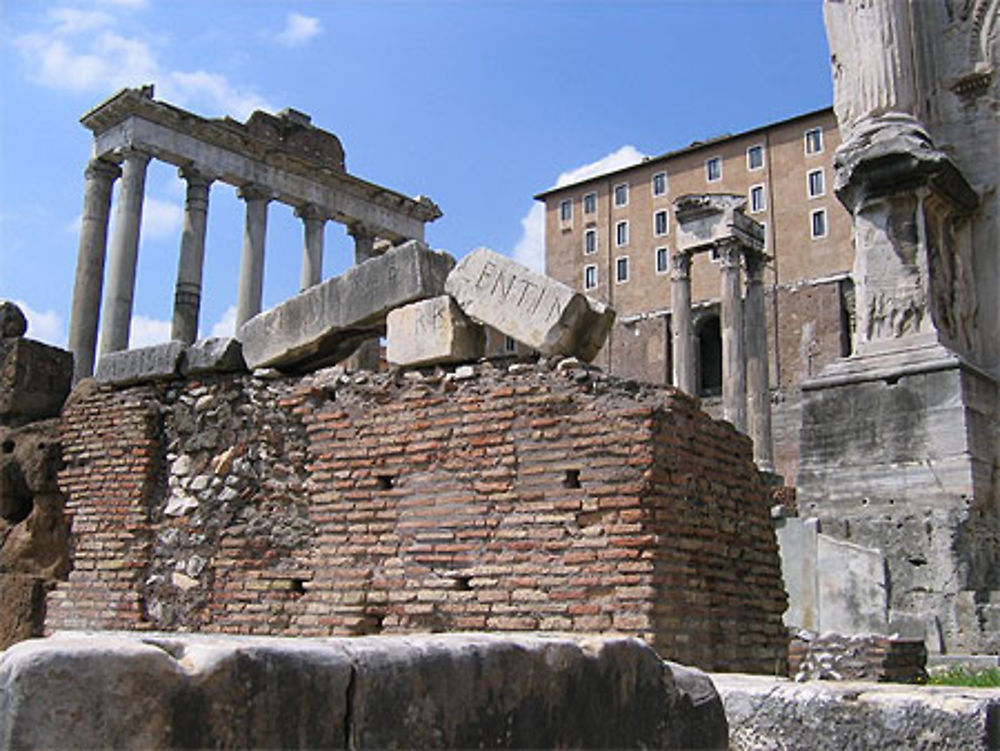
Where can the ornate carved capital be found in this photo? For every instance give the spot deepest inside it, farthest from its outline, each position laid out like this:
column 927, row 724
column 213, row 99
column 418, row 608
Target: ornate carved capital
column 680, row 264
column 102, row 170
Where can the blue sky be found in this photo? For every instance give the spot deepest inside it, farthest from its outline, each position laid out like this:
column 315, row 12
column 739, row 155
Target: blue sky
column 477, row 104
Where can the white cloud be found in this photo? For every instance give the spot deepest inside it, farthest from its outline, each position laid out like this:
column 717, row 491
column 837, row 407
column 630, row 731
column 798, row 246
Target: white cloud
column 225, row 326
column 212, row 90
column 530, row 248
column 102, row 60
column 45, row 326
column 298, row 30
column 160, row 218
column 125, row 3
column 145, row 331
column 77, row 21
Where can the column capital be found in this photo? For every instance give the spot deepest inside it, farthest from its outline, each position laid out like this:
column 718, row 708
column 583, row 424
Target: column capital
column 730, row 253
column 359, row 229
column 680, row 264
column 311, row 211
column 755, row 263
column 99, row 168
column 255, row 192
column 132, row 154
column 195, row 177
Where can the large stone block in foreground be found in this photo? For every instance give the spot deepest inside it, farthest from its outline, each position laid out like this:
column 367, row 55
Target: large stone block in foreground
column 536, row 310
column 327, row 322
column 132, row 691
column 432, row 331
column 773, row 713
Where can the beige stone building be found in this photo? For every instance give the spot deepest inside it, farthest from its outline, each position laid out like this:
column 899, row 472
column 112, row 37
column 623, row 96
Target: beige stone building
column 612, row 236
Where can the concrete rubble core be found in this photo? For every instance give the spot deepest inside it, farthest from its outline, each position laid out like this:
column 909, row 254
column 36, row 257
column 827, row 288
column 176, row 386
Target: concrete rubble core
column 534, row 309
column 165, row 691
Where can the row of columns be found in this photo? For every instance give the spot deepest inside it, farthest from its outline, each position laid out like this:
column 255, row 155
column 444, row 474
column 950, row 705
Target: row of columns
column 745, row 386
column 124, row 248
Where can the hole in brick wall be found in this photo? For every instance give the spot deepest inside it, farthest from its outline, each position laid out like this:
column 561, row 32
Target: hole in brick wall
column 462, row 583
column 572, row 478
column 8, row 446
column 297, row 586
column 385, row 482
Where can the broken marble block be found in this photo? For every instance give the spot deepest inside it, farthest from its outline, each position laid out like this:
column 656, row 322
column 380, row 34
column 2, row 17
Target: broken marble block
column 215, row 355
column 325, row 323
column 538, row 311
column 432, row 331
column 158, row 362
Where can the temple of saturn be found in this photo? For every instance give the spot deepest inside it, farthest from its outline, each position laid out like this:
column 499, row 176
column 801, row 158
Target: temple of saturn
column 717, row 224
column 268, row 158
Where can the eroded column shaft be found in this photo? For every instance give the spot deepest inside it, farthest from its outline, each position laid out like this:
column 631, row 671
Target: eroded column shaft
column 187, row 292
column 680, row 323
column 250, row 293
column 87, row 287
column 734, row 387
column 124, row 253
column 757, row 375
column 313, row 221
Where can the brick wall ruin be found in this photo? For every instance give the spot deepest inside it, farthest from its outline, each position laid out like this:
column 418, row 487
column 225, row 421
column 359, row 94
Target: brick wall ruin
column 492, row 497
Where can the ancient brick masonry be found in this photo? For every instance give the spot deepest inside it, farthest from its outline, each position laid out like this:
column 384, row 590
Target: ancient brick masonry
column 527, row 497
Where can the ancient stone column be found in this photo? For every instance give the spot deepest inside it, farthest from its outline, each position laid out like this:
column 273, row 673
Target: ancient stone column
column 680, row 322
column 757, row 377
column 250, row 293
column 89, row 281
column 366, row 356
column 734, row 385
column 124, row 252
column 187, row 293
column 313, row 219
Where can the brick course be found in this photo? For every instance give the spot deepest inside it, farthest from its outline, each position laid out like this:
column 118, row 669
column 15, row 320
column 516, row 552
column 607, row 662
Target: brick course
column 521, row 498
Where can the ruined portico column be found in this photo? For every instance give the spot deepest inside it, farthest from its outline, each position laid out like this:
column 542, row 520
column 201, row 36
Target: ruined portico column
column 124, row 252
column 313, row 219
column 250, row 294
column 366, row 356
column 101, row 176
column 757, row 377
column 680, row 322
column 187, row 292
column 734, row 385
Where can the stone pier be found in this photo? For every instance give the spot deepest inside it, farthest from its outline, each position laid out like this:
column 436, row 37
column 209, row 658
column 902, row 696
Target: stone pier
column 270, row 158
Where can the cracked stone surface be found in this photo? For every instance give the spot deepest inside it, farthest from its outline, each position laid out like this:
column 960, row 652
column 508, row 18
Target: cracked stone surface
column 158, row 691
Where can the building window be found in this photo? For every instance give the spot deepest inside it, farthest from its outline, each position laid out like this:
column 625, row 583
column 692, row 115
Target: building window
column 758, row 199
column 509, row 344
column 662, row 260
column 590, row 241
column 589, row 277
column 755, row 157
column 621, row 270
column 814, row 141
column 590, row 203
column 660, row 225
column 713, row 169
column 659, row 183
column 817, row 220
column 621, row 233
column 566, row 211
column 816, row 183
column 621, row 195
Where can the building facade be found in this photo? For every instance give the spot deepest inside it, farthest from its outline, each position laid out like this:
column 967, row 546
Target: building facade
column 612, row 236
